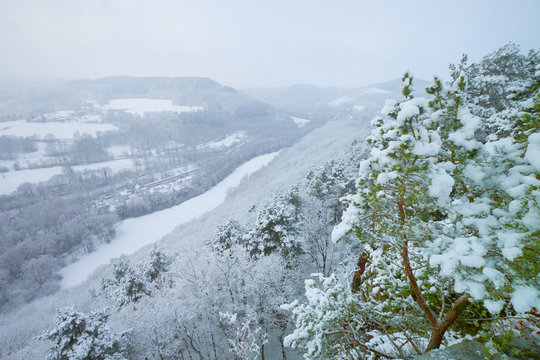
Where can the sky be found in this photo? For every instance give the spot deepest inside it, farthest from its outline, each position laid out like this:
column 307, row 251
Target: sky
column 249, row 43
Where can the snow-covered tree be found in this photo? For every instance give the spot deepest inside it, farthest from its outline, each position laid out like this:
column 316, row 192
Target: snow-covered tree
column 80, row 336
column 276, row 227
column 129, row 284
column 227, row 235
column 126, row 286
column 245, row 342
column 321, row 208
column 448, row 221
column 155, row 268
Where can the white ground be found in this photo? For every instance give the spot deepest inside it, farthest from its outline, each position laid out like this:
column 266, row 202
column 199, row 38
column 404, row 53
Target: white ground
column 299, row 121
column 136, row 233
column 119, row 150
column 228, row 141
column 9, row 181
column 61, row 130
column 139, row 106
column 60, row 114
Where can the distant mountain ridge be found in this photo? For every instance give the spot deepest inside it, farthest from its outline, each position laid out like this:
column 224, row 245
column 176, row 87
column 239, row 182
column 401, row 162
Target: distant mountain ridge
column 332, row 102
column 191, row 91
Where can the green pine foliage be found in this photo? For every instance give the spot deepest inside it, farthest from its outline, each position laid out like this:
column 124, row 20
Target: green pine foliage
column 447, row 214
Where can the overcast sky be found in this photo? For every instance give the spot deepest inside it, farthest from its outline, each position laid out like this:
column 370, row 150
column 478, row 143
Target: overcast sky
column 244, row 43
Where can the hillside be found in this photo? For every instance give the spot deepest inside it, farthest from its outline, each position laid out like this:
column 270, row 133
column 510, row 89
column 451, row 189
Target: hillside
column 323, row 102
column 96, row 152
column 188, row 240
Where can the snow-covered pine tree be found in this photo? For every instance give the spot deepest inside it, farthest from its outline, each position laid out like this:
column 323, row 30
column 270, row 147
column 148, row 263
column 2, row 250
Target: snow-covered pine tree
column 156, row 266
column 126, row 286
column 80, row 336
column 449, row 222
column 276, row 227
column 227, row 234
column 129, row 284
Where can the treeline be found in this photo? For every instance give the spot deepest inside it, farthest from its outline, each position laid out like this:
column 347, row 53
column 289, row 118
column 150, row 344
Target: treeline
column 12, row 146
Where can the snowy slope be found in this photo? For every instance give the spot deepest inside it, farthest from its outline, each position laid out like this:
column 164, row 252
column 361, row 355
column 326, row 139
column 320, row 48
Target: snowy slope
column 291, row 165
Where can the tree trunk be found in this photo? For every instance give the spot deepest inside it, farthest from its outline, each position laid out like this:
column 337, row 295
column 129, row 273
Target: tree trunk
column 439, row 328
column 360, row 268
column 438, row 333
column 262, row 352
column 283, row 352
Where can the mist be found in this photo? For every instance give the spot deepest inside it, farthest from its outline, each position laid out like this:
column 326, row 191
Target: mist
column 246, row 44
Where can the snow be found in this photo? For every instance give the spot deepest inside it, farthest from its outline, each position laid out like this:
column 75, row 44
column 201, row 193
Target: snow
column 441, row 186
column 464, row 136
column 299, row 121
column 495, row 276
column 359, row 107
column 61, row 130
column 340, row 101
column 10, row 181
column 389, row 105
column 228, row 141
column 408, row 110
column 119, row 150
column 139, row 106
column 493, row 306
column 136, row 233
column 428, row 145
column 524, row 298
column 347, row 223
column 533, row 151
column 60, row 114
column 532, row 219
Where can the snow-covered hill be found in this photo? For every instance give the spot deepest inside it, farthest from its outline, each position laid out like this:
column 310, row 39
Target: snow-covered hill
column 18, row 329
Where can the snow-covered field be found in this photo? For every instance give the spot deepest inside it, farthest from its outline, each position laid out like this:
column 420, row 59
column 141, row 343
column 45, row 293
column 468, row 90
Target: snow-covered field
column 227, row 141
column 119, row 150
column 9, row 181
column 61, row 130
column 139, row 106
column 135, row 233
